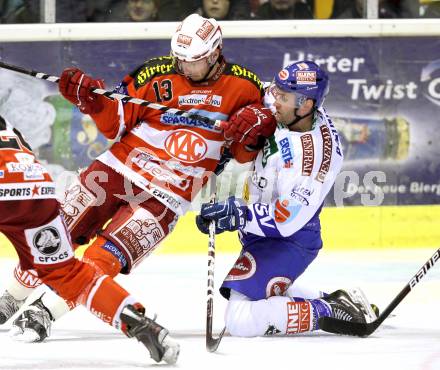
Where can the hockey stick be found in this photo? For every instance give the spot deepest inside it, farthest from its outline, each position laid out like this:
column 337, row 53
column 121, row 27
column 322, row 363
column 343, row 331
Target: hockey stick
column 336, row 326
column 211, row 342
column 116, row 96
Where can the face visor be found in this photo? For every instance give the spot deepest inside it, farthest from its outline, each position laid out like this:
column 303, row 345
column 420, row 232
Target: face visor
column 194, row 70
column 288, row 99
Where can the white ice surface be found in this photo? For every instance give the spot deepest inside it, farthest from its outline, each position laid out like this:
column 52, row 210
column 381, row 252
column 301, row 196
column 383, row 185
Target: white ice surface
column 175, row 288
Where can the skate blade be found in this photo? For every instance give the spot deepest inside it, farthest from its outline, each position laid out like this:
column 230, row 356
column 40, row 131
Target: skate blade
column 172, row 351
column 24, row 335
column 358, row 296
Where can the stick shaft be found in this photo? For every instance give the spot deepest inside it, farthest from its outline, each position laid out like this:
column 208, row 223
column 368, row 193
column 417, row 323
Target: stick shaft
column 336, row 326
column 116, row 96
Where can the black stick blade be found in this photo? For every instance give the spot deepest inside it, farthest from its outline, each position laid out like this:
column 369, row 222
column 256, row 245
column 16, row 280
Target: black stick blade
column 213, row 343
column 332, row 325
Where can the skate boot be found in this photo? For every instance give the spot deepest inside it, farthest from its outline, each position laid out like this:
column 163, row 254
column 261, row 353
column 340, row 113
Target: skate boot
column 350, row 305
column 150, row 334
column 8, row 306
column 34, row 323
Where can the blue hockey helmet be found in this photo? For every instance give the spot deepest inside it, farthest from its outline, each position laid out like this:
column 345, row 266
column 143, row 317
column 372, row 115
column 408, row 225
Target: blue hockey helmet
column 305, row 78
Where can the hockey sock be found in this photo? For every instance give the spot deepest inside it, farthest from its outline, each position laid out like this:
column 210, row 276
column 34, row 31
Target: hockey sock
column 274, row 315
column 23, row 284
column 106, row 299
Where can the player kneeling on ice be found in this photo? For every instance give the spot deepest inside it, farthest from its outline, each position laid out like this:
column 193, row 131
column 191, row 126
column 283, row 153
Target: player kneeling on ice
column 32, row 221
column 279, row 225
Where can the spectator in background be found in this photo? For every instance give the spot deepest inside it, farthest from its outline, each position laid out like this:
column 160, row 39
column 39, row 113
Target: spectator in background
column 432, row 10
column 387, row 9
column 284, row 9
column 225, row 9
column 171, row 10
column 19, row 11
column 131, row 11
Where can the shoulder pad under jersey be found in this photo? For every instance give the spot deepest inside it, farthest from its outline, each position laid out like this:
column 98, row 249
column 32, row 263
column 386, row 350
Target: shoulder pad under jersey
column 242, row 72
column 152, row 68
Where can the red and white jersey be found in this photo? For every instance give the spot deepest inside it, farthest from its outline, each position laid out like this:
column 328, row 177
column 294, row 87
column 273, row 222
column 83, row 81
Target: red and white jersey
column 170, row 156
column 21, row 175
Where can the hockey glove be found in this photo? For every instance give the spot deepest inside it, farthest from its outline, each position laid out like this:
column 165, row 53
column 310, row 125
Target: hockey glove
column 229, row 215
column 75, row 86
column 249, row 125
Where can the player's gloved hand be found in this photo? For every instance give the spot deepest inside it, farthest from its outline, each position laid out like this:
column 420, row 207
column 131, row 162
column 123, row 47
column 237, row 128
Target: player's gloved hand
column 249, row 125
column 228, row 215
column 75, row 86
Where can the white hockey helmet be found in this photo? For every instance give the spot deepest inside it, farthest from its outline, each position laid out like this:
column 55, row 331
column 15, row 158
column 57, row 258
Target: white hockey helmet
column 196, row 38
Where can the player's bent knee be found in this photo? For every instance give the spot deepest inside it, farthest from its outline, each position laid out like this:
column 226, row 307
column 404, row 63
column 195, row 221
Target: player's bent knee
column 241, row 320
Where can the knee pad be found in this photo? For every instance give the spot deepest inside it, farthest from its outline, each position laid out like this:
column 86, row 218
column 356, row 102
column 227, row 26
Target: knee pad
column 246, row 318
column 105, row 257
column 240, row 316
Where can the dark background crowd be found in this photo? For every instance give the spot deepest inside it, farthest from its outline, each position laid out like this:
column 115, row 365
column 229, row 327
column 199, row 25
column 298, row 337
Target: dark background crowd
column 28, row 11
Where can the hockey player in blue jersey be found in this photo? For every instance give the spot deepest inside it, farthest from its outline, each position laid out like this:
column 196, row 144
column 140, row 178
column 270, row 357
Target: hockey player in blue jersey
column 278, row 221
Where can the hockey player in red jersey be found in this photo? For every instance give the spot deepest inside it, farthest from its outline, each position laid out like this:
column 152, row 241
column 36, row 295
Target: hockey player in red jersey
column 159, row 161
column 31, row 220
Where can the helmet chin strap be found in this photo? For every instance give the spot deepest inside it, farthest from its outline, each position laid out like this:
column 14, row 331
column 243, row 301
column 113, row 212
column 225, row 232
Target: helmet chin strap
column 299, row 118
column 205, row 77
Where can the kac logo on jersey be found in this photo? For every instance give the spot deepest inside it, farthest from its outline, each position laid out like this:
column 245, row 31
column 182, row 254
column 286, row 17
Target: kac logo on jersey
column 186, row 146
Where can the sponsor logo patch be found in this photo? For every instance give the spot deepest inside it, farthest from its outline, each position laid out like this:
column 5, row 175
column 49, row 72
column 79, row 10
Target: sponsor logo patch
column 327, row 146
column 308, row 154
column 186, row 146
column 173, row 119
column 159, row 172
column 28, row 278
column 201, row 99
column 305, row 77
column 140, row 235
column 184, row 40
column 205, row 29
column 259, row 181
column 76, row 200
column 167, row 198
column 283, row 74
column 286, row 150
column 298, row 317
column 272, row 330
column 244, row 268
column 302, row 65
column 49, row 244
column 301, row 194
column 284, row 211
column 47, row 241
column 277, row 286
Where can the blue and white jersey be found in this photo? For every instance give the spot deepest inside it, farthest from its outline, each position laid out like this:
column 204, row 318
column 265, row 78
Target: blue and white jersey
column 291, row 177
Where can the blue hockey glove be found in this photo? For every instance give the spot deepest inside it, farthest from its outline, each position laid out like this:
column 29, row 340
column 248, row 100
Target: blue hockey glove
column 229, row 215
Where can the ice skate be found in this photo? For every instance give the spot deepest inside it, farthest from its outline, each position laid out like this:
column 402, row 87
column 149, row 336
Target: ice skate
column 150, row 334
column 33, row 324
column 351, row 305
column 8, row 306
